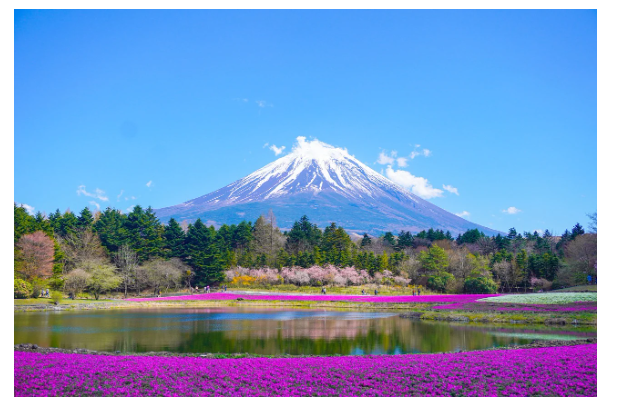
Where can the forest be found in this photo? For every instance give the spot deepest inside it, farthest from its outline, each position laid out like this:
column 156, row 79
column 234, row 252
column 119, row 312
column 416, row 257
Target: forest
column 110, row 251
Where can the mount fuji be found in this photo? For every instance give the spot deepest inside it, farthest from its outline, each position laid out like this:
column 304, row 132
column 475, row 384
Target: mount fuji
column 327, row 184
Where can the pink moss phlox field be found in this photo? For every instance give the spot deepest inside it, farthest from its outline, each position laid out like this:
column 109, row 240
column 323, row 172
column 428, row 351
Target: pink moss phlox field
column 555, row 371
column 327, row 298
column 523, row 307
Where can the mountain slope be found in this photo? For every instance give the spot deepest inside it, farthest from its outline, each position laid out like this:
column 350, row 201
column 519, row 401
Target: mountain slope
column 327, row 184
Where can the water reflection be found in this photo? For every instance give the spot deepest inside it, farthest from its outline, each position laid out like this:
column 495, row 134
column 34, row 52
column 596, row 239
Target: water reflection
column 268, row 331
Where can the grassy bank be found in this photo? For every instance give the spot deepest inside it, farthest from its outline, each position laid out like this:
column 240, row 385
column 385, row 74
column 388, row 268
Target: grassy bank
column 556, row 318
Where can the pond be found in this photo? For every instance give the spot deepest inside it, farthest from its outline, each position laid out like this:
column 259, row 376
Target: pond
column 270, row 331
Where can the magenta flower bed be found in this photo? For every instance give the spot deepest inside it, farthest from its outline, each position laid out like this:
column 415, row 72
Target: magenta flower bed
column 523, row 307
column 328, row 298
column 557, row 371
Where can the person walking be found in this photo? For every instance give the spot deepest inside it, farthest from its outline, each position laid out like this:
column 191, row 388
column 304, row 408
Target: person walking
column 376, row 292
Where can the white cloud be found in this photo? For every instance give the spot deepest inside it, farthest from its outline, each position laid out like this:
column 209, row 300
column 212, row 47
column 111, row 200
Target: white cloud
column 277, row 150
column 385, row 159
column 263, row 103
column 451, row 189
column 240, row 214
column 265, row 146
column 463, row 214
column 95, row 204
column 119, row 196
column 98, row 194
column 129, row 209
column 539, row 231
column 402, row 161
column 418, row 185
column 149, row 184
column 29, row 209
column 511, row 210
column 392, row 157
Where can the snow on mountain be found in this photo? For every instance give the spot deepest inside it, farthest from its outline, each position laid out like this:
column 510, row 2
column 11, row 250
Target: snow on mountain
column 327, row 184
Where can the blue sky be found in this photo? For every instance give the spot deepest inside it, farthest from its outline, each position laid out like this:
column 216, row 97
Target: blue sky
column 505, row 101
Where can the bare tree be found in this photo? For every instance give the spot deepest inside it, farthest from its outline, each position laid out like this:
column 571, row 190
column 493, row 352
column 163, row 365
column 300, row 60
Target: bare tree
column 508, row 275
column 81, row 248
column 267, row 239
column 582, row 254
column 459, row 263
column 593, row 222
column 161, row 273
column 127, row 262
column 486, row 245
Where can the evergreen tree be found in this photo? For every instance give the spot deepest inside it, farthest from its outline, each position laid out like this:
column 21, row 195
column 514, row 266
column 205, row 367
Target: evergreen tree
column 85, row 219
column 42, row 223
column 243, row 235
column 470, row 236
column 54, row 219
column 111, row 229
column 366, row 240
column 334, row 241
column 389, row 239
column 67, row 224
column 577, row 230
column 203, row 254
column 174, row 240
column 145, row 233
column 405, row 240
column 303, row 236
column 23, row 223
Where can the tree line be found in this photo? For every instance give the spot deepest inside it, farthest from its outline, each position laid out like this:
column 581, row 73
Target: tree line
column 133, row 252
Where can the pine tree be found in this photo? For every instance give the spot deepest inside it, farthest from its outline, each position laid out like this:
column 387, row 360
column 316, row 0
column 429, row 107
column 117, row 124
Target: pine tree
column 303, row 236
column 174, row 240
column 366, row 241
column 67, row 223
column 111, row 230
column 203, row 254
column 145, row 233
column 389, row 239
column 85, row 219
column 577, row 230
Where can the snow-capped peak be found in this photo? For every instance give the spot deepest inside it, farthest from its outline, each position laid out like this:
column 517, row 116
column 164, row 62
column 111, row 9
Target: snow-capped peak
column 321, row 180
column 311, row 167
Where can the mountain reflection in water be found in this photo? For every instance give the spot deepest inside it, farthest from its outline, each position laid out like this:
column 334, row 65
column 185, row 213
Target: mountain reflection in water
column 268, row 332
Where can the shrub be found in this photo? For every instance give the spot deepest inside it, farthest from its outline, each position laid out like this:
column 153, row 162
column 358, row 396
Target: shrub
column 480, row 285
column 56, row 297
column 440, row 281
column 38, row 286
column 21, row 289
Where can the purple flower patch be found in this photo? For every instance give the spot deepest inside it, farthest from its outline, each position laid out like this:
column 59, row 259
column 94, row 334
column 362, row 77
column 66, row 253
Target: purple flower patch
column 555, row 371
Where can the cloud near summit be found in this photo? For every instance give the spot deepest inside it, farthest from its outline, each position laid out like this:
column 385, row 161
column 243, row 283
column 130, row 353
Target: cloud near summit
column 416, row 184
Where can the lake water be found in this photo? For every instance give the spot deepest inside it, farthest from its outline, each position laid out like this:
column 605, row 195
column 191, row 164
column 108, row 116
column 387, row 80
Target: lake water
column 268, row 332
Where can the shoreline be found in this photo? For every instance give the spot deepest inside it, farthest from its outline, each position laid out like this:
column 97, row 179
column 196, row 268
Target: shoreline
column 421, row 310
column 32, row 348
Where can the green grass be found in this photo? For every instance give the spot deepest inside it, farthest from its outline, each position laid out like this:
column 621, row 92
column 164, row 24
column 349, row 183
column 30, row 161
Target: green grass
column 545, row 298
column 46, row 301
column 511, row 317
column 581, row 288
